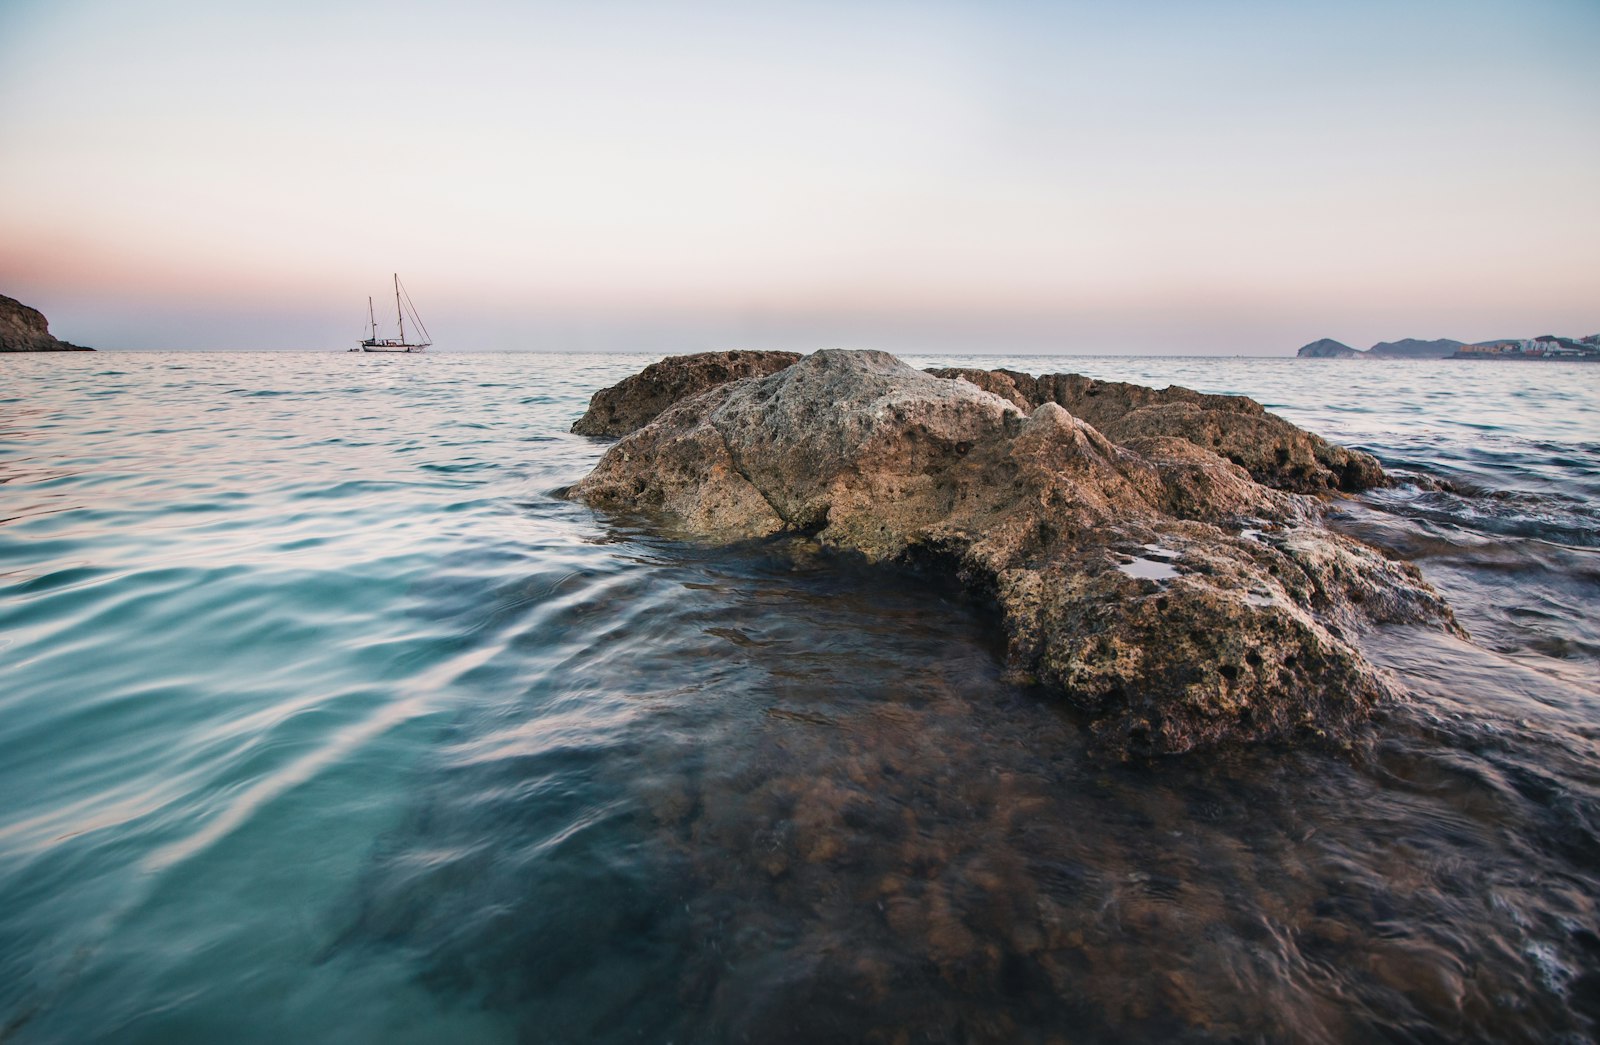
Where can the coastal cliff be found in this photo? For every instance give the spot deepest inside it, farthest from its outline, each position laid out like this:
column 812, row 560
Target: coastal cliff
column 24, row 329
column 1181, row 599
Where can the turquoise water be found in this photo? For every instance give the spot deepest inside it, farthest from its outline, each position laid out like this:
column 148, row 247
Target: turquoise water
column 322, row 719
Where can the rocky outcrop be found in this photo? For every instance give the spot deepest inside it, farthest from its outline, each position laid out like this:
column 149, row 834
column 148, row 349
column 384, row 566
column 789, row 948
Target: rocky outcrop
column 24, row 329
column 1154, row 584
column 1238, row 428
column 1328, row 348
column 636, row 401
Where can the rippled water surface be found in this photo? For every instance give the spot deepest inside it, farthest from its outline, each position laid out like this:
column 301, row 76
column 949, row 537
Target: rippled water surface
column 321, row 719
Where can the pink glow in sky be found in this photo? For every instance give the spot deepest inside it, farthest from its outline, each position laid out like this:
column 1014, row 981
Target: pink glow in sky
column 1009, row 176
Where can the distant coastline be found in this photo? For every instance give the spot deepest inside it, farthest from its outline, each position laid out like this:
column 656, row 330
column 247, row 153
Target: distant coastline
column 24, row 329
column 1544, row 348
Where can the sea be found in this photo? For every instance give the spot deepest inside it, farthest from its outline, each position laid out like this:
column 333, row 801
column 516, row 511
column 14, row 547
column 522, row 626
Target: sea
column 324, row 719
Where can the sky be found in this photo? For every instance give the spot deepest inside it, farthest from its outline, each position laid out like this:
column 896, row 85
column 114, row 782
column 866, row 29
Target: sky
column 1139, row 177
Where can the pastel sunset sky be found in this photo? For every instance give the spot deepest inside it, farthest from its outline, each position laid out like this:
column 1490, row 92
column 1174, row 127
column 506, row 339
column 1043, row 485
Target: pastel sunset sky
column 1008, row 176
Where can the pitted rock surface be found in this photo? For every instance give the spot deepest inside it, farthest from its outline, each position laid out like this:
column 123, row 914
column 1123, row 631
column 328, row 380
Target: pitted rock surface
column 636, row 401
column 1271, row 449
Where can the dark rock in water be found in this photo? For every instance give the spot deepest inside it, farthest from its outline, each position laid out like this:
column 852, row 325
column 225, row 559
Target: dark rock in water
column 1271, row 449
column 635, row 402
column 1328, row 348
column 1154, row 584
column 24, row 329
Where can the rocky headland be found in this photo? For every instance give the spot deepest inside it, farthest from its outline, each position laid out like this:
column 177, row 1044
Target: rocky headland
column 24, row 329
column 1156, row 556
column 1328, row 348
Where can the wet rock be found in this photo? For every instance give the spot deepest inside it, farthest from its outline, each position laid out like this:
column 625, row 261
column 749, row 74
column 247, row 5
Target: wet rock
column 638, row 400
column 1238, row 428
column 1155, row 584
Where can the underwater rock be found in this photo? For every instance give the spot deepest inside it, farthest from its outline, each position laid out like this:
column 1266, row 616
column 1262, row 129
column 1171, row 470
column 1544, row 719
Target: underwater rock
column 1156, row 585
column 636, row 401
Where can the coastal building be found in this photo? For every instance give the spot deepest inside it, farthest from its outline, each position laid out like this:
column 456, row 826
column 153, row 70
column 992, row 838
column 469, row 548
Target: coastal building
column 1546, row 346
column 1555, row 347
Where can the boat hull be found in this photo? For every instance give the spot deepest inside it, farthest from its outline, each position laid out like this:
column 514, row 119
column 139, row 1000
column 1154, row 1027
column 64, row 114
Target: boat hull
column 393, row 348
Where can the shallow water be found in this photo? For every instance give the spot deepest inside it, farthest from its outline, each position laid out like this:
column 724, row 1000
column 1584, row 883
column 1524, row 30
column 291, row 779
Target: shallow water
column 321, row 719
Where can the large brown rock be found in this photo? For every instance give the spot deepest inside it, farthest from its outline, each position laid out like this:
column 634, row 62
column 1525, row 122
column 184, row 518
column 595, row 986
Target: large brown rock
column 1156, row 585
column 24, row 329
column 1271, row 449
column 636, row 401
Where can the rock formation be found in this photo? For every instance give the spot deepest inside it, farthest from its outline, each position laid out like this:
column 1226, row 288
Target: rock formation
column 636, row 401
column 1155, row 584
column 1271, row 449
column 1328, row 348
column 24, row 329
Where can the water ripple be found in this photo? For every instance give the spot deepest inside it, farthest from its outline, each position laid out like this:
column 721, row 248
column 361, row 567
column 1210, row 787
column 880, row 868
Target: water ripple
column 322, row 720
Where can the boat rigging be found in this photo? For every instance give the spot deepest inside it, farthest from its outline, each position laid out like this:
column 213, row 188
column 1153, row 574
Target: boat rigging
column 402, row 306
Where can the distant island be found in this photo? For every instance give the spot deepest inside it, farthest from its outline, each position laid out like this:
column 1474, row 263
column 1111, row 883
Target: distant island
column 24, row 329
column 1544, row 347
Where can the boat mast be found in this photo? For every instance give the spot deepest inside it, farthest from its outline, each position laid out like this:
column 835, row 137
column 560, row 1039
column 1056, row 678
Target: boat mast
column 397, row 310
column 372, row 318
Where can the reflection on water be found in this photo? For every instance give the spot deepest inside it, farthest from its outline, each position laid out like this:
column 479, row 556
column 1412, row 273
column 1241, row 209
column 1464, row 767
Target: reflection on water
column 1150, row 569
column 323, row 720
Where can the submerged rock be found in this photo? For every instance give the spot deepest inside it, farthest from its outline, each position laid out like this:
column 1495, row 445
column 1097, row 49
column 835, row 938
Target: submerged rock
column 636, row 401
column 24, row 329
column 1155, row 584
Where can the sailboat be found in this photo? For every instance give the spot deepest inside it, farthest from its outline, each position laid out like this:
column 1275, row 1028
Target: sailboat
column 402, row 305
